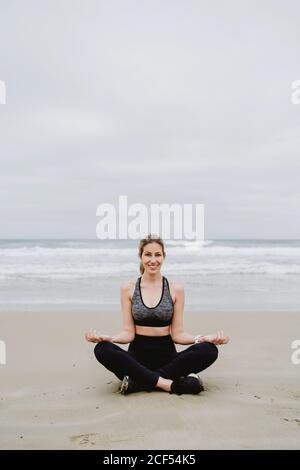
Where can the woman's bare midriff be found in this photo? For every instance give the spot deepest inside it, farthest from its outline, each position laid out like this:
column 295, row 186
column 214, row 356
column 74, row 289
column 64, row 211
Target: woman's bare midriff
column 152, row 331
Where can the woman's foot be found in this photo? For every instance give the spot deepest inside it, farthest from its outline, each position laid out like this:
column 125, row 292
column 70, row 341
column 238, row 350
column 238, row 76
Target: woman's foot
column 191, row 384
column 128, row 386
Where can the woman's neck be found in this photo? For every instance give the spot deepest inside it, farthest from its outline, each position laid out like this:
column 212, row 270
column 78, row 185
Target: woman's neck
column 152, row 278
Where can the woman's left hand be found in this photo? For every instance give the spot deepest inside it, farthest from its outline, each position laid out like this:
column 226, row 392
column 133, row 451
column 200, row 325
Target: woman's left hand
column 216, row 338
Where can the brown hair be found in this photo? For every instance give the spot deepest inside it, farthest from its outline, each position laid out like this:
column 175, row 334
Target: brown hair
column 149, row 239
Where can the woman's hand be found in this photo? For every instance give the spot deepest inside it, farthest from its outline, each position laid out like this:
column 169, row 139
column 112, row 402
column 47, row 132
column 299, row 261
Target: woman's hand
column 95, row 337
column 216, row 338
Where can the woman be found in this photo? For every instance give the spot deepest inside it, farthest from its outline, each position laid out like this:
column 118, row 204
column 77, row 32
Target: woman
column 152, row 323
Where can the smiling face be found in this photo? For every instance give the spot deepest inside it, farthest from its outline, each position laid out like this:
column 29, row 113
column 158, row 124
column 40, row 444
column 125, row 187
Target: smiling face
column 152, row 257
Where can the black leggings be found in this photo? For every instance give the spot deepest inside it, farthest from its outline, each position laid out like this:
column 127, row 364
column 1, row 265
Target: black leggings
column 151, row 357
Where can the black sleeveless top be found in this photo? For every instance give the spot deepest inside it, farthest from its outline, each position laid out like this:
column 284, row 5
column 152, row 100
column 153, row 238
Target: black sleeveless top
column 160, row 315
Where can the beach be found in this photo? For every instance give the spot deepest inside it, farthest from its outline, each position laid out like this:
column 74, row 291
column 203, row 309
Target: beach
column 116, row 131
column 55, row 395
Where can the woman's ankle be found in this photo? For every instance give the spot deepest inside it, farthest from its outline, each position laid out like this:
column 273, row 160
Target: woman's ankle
column 164, row 384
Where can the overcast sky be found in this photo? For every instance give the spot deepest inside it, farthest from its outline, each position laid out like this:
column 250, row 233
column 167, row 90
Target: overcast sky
column 163, row 101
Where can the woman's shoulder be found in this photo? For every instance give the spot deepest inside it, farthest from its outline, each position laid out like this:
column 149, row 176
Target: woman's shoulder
column 174, row 283
column 176, row 287
column 128, row 285
column 176, row 290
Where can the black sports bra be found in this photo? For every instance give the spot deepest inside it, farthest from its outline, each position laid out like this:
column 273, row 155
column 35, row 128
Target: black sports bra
column 160, row 315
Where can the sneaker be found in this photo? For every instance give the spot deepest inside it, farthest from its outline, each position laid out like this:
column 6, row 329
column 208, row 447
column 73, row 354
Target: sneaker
column 130, row 386
column 191, row 384
column 199, row 379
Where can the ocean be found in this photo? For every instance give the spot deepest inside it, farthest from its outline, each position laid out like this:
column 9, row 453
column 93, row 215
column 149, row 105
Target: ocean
column 229, row 275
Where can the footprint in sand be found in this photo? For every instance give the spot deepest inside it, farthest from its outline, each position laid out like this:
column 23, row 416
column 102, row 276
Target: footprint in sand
column 84, row 439
column 91, row 439
column 295, row 420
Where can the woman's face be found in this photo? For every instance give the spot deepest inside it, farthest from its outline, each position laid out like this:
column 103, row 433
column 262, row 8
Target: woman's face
column 152, row 257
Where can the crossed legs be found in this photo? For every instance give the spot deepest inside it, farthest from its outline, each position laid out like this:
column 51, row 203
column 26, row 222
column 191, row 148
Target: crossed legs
column 195, row 358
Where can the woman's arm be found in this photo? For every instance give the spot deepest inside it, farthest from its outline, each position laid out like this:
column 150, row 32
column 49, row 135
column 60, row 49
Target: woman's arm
column 178, row 334
column 184, row 338
column 123, row 338
column 96, row 337
column 128, row 333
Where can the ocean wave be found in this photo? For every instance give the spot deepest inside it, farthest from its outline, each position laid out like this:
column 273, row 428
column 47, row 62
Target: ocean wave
column 42, row 272
column 201, row 249
column 189, row 243
column 37, row 251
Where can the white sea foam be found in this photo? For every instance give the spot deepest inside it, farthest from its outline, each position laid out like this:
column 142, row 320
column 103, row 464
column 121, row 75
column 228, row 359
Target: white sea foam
column 216, row 273
column 84, row 260
column 206, row 248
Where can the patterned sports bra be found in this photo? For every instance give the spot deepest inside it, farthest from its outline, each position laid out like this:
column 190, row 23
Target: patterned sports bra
column 160, row 315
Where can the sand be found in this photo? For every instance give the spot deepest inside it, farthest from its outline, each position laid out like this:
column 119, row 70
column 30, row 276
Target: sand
column 55, row 395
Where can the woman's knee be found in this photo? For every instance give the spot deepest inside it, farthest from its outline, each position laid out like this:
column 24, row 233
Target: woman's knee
column 102, row 350
column 210, row 351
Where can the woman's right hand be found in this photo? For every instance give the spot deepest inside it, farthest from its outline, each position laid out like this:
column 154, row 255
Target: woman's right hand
column 95, row 337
